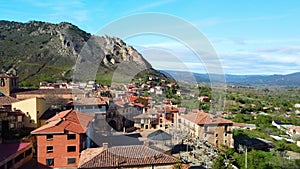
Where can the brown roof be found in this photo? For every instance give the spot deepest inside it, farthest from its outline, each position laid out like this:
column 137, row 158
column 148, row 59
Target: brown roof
column 144, row 116
column 7, row 100
column 69, row 120
column 89, row 101
column 123, row 156
column 202, row 118
column 52, row 91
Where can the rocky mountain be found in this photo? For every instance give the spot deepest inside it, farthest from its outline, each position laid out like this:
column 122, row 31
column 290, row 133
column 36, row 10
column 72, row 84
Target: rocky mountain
column 42, row 51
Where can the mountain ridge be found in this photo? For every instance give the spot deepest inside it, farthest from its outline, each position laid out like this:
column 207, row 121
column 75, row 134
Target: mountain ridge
column 43, row 51
column 292, row 79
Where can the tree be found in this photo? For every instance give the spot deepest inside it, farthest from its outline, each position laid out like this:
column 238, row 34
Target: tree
column 219, row 162
column 296, row 137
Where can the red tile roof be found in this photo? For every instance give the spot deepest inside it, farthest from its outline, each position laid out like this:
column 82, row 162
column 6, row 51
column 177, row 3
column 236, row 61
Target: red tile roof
column 123, row 156
column 201, row 118
column 69, row 120
column 132, row 99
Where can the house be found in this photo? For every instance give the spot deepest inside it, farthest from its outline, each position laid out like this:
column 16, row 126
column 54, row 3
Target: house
column 52, row 96
column 6, row 101
column 198, row 124
column 133, row 157
column 148, row 120
column 90, row 105
column 60, row 141
column 204, row 99
column 244, row 126
column 11, row 119
column 293, row 130
column 14, row 155
column 33, row 109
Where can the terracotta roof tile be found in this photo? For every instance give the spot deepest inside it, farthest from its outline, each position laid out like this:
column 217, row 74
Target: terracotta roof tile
column 124, row 156
column 69, row 120
column 202, row 118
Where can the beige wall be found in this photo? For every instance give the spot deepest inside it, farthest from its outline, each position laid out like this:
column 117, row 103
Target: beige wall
column 33, row 109
column 215, row 134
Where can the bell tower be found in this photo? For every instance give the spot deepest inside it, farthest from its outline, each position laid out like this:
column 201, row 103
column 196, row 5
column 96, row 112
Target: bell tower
column 8, row 82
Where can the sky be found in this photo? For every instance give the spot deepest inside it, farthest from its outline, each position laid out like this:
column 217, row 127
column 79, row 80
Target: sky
column 249, row 37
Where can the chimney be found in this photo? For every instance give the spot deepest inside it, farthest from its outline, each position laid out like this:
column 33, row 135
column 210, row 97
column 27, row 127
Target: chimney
column 105, row 146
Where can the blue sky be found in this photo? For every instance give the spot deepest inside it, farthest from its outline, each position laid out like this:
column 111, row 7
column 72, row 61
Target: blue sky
column 250, row 37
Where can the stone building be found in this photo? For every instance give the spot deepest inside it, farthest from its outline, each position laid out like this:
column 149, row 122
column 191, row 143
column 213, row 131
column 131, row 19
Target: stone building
column 8, row 83
column 198, row 124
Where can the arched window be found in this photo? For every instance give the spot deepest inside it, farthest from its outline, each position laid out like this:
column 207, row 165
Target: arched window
column 2, row 82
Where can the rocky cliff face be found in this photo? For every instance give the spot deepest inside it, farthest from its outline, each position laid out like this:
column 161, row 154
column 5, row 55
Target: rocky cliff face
column 46, row 51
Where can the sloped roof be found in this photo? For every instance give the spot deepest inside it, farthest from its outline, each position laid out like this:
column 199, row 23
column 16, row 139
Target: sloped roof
column 52, row 91
column 7, row 100
column 202, row 118
column 89, row 101
column 144, row 116
column 159, row 135
column 124, row 156
column 69, row 120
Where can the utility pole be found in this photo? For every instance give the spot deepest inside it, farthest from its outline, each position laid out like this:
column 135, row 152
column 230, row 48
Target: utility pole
column 246, row 161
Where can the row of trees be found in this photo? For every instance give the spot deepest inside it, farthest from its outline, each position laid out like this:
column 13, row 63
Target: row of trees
column 254, row 159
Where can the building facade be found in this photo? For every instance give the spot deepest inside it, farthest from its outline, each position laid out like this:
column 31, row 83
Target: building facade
column 198, row 124
column 33, row 109
column 60, row 141
column 8, row 83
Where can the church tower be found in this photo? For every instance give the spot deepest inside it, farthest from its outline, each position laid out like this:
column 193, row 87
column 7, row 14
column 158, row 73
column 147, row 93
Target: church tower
column 8, row 82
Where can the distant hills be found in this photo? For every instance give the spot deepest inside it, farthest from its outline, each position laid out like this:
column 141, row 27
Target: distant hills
column 43, row 51
column 252, row 80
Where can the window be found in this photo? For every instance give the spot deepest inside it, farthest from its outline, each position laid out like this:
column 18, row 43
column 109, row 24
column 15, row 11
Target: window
column 225, row 141
column 71, row 148
column 12, row 125
column 49, row 137
column 50, row 161
column 226, row 127
column 71, row 160
column 49, row 149
column 225, row 134
column 71, row 136
column 217, row 134
column 20, row 119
